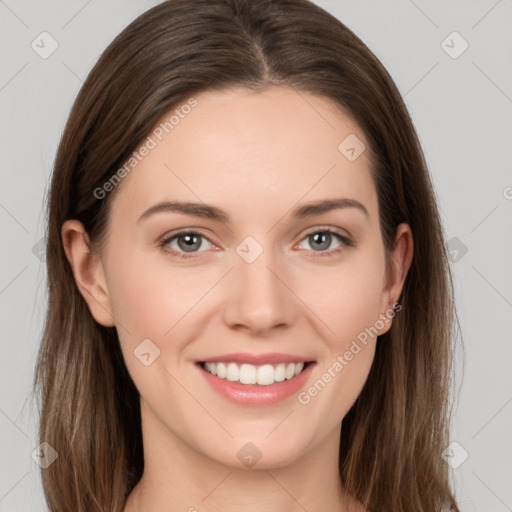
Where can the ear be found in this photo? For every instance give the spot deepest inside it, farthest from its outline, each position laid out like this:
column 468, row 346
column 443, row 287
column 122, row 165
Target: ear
column 401, row 258
column 88, row 271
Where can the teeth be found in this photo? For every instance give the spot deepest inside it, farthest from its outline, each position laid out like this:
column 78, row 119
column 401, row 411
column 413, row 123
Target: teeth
column 211, row 367
column 280, row 372
column 232, row 373
column 248, row 374
column 264, row 375
column 221, row 370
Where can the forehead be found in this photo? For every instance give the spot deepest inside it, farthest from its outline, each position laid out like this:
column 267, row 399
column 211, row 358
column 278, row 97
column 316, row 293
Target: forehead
column 250, row 151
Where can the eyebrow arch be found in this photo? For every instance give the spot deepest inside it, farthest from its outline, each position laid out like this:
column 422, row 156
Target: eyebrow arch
column 211, row 212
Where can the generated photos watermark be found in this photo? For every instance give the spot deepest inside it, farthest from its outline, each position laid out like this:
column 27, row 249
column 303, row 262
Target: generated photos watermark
column 342, row 360
column 151, row 142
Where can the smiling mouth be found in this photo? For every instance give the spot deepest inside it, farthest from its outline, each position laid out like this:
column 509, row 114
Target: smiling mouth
column 263, row 375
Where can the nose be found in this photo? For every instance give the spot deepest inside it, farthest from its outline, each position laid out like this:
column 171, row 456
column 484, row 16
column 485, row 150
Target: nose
column 260, row 298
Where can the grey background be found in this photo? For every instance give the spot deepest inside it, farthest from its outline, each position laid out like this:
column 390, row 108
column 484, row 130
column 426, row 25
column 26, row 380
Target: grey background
column 461, row 108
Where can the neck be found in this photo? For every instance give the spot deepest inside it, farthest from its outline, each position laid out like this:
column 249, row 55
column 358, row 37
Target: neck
column 179, row 478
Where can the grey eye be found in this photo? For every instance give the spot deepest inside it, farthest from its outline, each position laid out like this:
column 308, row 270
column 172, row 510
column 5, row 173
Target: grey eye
column 321, row 240
column 186, row 242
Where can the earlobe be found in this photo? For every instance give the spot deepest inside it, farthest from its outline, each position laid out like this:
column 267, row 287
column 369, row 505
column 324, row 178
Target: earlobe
column 401, row 259
column 88, row 271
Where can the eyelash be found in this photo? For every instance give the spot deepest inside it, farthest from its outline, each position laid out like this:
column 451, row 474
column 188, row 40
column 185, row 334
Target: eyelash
column 345, row 243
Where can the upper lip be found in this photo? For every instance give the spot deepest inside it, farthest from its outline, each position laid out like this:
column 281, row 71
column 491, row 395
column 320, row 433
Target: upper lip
column 257, row 359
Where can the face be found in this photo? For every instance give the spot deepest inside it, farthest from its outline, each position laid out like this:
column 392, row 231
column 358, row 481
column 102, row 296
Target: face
column 275, row 280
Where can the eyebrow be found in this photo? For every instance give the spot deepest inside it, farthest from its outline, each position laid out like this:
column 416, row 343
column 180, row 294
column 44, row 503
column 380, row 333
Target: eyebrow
column 206, row 211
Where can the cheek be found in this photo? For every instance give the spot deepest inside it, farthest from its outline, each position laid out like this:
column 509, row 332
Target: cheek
column 347, row 299
column 351, row 310
column 153, row 299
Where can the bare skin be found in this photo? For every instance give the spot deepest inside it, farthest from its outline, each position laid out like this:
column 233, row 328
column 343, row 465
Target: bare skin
column 257, row 156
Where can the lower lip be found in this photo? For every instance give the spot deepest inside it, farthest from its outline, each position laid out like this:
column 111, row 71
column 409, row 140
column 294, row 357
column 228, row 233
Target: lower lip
column 254, row 395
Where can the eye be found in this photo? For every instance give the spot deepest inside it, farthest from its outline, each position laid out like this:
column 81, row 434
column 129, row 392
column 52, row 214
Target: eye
column 321, row 239
column 186, row 242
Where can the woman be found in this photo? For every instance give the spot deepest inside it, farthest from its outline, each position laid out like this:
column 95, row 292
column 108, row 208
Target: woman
column 201, row 351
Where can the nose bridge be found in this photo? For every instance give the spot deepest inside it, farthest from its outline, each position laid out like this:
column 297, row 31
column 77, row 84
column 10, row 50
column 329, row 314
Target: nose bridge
column 260, row 299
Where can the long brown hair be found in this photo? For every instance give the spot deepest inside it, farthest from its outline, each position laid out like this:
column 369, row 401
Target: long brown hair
column 393, row 436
